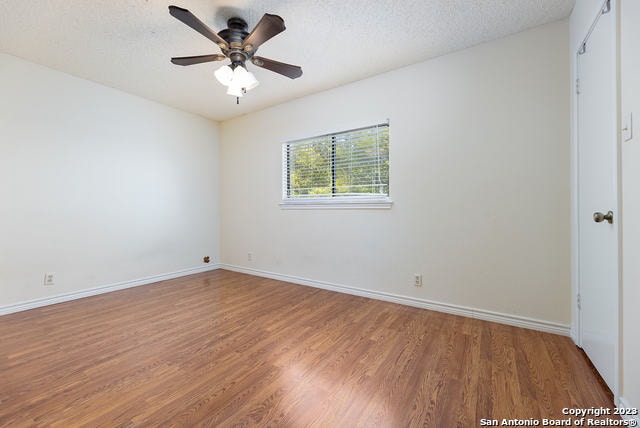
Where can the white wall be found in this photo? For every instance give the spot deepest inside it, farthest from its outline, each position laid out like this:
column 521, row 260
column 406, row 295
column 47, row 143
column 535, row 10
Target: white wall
column 479, row 176
column 98, row 186
column 630, row 174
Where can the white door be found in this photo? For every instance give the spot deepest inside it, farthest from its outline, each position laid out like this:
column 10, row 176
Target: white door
column 597, row 193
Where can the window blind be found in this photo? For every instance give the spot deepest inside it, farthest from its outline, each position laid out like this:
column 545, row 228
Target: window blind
column 352, row 163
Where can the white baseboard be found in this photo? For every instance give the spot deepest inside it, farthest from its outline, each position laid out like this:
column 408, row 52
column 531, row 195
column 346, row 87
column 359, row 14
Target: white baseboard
column 37, row 303
column 622, row 403
column 514, row 320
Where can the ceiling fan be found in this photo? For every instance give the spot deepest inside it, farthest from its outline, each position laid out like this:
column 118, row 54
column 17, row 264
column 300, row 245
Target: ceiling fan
column 239, row 46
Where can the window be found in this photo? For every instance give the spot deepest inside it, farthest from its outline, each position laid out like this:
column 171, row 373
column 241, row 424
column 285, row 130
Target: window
column 349, row 168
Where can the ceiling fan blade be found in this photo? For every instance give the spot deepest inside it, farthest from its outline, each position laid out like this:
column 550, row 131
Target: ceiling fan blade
column 188, row 18
column 291, row 71
column 268, row 26
column 190, row 60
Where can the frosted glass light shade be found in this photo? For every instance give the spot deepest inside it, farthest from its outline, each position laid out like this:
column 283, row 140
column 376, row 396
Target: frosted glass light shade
column 244, row 78
column 252, row 82
column 224, row 75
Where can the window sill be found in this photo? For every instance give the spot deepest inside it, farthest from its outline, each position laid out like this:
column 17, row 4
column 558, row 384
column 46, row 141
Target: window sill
column 337, row 204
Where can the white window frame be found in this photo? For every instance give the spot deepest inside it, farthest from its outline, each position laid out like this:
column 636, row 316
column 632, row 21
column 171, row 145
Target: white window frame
column 367, row 201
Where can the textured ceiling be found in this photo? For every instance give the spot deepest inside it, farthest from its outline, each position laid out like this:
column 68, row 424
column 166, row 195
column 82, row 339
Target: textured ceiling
column 127, row 44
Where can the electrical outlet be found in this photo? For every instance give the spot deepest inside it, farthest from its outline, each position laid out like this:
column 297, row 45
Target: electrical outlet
column 417, row 280
column 250, row 257
column 49, row 278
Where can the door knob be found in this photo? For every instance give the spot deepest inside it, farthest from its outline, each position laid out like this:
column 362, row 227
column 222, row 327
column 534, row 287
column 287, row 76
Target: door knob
column 599, row 217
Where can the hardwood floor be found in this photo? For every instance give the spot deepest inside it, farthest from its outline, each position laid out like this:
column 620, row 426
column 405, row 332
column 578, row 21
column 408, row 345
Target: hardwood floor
column 227, row 349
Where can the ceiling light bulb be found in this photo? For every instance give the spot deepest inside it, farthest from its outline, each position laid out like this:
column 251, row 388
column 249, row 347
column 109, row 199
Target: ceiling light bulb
column 224, row 75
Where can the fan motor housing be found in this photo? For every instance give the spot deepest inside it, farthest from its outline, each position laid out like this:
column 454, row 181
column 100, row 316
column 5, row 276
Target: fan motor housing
column 234, row 35
column 236, row 31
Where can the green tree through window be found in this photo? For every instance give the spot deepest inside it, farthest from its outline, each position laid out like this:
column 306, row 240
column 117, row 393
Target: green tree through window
column 353, row 163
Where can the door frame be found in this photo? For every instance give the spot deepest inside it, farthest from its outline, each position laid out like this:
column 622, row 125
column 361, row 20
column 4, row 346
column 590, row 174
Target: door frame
column 576, row 325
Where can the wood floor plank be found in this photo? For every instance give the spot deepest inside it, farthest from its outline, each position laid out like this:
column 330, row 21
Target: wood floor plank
column 228, row 349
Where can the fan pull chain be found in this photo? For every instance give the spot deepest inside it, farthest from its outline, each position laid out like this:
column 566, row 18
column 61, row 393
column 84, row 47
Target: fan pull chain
column 244, row 91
